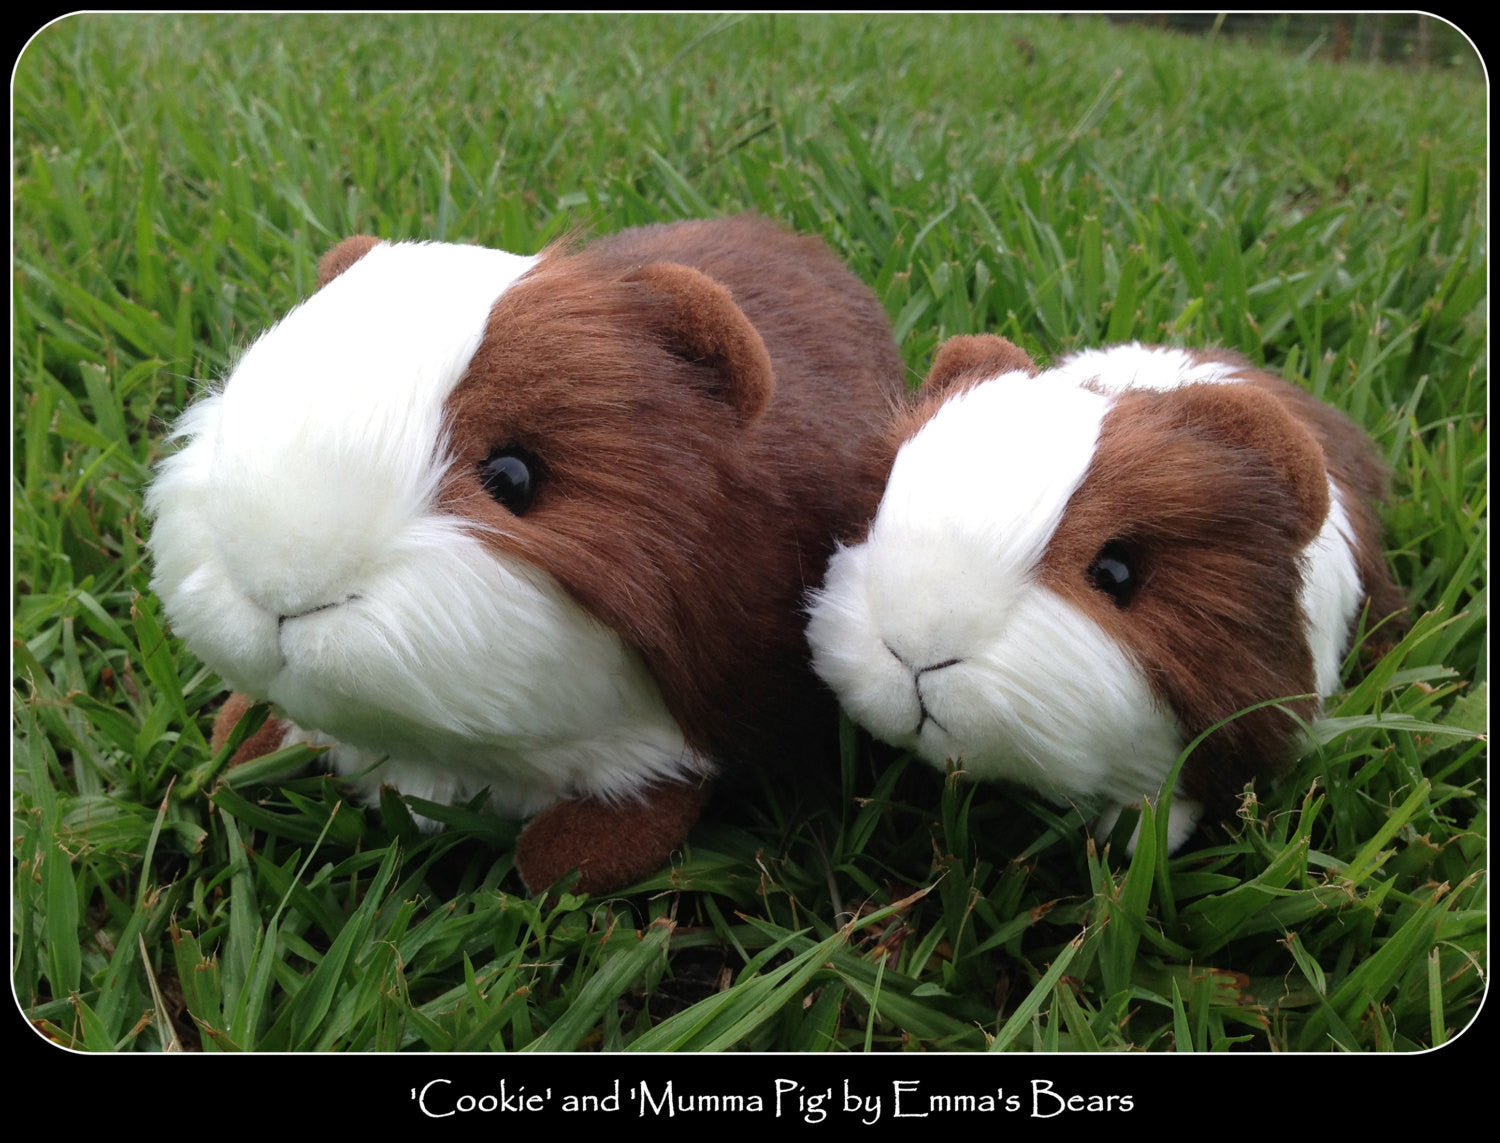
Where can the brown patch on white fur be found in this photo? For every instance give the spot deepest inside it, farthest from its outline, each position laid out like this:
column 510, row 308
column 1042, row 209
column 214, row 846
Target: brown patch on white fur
column 704, row 437
column 1214, row 490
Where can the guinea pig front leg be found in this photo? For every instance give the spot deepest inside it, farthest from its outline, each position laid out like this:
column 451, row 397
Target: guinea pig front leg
column 611, row 844
column 264, row 741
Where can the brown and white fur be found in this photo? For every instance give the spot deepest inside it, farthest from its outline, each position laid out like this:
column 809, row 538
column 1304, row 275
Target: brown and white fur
column 537, row 525
column 1075, row 572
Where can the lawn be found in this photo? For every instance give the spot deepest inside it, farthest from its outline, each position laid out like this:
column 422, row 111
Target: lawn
column 1062, row 181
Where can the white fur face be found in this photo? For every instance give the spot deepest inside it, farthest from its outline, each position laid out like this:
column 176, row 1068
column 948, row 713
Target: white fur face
column 301, row 553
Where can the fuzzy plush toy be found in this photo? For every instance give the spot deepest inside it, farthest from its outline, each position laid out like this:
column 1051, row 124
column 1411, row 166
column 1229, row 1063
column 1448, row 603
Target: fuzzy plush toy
column 536, row 525
column 1075, row 572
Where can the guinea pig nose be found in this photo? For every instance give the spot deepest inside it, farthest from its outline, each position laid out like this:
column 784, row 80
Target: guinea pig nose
column 918, row 672
column 290, row 590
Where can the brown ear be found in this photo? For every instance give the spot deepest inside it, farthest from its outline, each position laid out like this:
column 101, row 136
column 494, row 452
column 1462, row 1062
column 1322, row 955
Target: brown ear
column 973, row 358
column 342, row 256
column 1246, row 417
column 697, row 319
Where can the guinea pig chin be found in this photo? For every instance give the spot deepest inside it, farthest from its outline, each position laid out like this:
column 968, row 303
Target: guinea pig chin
column 535, row 698
column 1052, row 702
column 445, row 642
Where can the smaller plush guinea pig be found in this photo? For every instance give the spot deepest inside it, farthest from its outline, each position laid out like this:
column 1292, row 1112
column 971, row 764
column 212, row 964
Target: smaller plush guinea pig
column 1074, row 572
column 536, row 525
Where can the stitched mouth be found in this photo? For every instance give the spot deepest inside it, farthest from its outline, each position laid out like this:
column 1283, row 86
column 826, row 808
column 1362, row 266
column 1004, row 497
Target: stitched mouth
column 281, row 619
column 924, row 714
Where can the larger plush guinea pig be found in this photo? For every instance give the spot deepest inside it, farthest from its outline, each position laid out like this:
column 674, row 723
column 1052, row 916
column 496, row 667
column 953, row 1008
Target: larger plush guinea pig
column 537, row 525
column 1075, row 572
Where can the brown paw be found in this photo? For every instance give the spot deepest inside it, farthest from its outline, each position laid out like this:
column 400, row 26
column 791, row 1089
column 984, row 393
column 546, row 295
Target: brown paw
column 611, row 844
column 263, row 741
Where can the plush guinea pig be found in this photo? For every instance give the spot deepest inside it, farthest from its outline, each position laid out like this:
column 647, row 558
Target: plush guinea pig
column 1075, row 572
column 536, row 525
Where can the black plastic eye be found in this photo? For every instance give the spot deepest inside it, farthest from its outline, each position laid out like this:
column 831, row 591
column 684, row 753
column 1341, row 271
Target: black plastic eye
column 509, row 475
column 1114, row 573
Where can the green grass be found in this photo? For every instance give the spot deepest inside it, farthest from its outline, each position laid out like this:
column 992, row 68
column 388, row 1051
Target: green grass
column 1059, row 181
